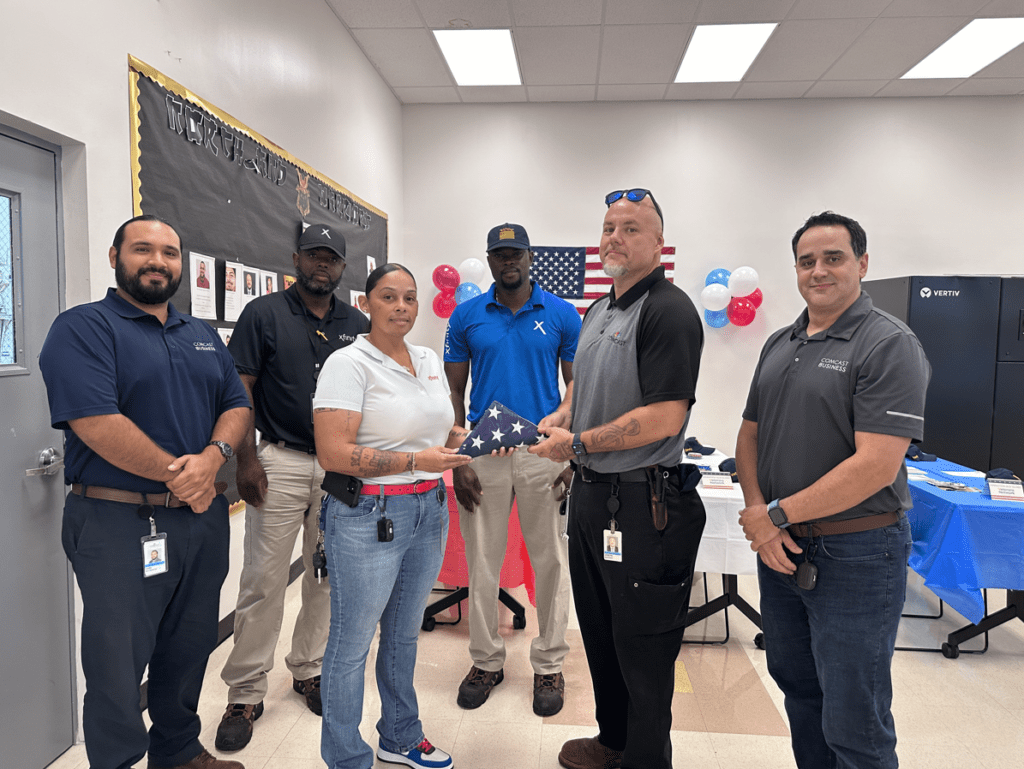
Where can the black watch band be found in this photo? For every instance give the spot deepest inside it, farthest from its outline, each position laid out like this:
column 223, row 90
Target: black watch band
column 577, row 446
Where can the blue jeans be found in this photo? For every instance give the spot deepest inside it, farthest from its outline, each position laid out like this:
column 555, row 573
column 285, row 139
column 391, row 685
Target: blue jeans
column 830, row 649
column 371, row 582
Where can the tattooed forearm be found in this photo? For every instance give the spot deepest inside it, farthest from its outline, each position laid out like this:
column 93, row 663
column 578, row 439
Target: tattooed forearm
column 458, row 433
column 612, row 436
column 371, row 463
column 562, row 452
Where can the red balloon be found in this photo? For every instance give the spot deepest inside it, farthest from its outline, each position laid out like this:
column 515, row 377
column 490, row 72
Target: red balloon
column 444, row 304
column 755, row 298
column 446, row 277
column 741, row 311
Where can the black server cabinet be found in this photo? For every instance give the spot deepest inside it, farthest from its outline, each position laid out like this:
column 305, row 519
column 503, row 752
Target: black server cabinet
column 971, row 330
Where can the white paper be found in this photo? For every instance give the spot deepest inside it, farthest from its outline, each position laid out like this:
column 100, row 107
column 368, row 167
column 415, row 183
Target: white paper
column 371, row 264
column 203, row 284
column 250, row 284
column 353, row 299
column 965, row 474
column 233, row 290
column 268, row 283
column 225, row 334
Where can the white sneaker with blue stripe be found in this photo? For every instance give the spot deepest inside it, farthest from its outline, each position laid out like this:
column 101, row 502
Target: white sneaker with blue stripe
column 423, row 756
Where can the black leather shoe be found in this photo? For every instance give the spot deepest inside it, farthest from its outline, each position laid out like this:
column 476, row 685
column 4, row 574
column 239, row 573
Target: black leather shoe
column 235, row 728
column 476, row 686
column 310, row 689
column 548, row 694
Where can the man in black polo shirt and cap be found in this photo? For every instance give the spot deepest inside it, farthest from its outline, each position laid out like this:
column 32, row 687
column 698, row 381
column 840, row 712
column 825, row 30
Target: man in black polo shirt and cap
column 635, row 519
column 835, row 401
column 279, row 344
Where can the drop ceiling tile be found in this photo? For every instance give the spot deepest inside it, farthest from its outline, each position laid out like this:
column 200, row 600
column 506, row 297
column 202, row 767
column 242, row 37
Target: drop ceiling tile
column 933, row 7
column 492, row 93
column 545, row 13
column 442, row 14
column 837, row 9
column 561, row 92
column 558, row 55
column 431, row 95
column 890, row 47
column 999, row 8
column 405, row 57
column 648, row 53
column 933, row 87
column 649, row 92
column 792, row 90
column 745, row 11
column 989, row 86
column 1009, row 65
column 845, row 89
column 804, row 49
column 383, row 13
column 650, row 11
column 701, row 91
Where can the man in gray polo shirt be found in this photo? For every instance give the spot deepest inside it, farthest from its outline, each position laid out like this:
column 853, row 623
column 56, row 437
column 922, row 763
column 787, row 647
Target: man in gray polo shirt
column 635, row 519
column 836, row 399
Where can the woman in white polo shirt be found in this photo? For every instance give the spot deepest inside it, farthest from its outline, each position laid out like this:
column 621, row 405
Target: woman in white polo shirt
column 381, row 416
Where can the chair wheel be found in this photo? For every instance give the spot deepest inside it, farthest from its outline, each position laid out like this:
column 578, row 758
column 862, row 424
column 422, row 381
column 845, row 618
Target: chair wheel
column 759, row 641
column 428, row 623
column 518, row 623
column 949, row 651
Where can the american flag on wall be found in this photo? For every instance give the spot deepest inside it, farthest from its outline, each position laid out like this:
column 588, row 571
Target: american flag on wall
column 575, row 274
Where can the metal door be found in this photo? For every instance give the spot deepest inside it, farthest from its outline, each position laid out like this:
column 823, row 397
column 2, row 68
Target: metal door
column 36, row 664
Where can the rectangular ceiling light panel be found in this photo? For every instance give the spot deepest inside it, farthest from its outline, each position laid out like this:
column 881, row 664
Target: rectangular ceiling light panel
column 480, row 56
column 971, row 49
column 722, row 53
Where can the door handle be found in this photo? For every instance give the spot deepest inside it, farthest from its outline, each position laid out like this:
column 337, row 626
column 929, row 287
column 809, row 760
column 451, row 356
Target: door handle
column 50, row 462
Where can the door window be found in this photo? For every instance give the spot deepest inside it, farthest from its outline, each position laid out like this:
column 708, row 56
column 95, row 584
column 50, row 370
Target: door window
column 7, row 349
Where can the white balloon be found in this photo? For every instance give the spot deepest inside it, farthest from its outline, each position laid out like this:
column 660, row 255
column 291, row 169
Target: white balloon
column 715, row 297
column 472, row 270
column 743, row 281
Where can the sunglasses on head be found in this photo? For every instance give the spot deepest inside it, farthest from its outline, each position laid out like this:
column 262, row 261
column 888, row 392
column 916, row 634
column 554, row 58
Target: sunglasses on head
column 634, row 195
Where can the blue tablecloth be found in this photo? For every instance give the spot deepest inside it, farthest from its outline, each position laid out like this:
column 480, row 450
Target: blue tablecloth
column 964, row 541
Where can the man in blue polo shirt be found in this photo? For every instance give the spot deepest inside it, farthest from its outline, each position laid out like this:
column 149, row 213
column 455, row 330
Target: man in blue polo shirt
column 151, row 407
column 515, row 337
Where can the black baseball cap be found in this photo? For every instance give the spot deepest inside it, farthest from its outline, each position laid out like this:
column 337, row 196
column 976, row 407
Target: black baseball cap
column 508, row 236
column 322, row 236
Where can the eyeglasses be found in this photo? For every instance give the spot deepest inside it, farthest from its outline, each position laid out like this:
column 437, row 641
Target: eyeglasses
column 635, row 195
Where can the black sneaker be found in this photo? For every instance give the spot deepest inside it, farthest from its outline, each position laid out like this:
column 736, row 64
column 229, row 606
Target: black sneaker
column 235, row 728
column 548, row 694
column 310, row 689
column 476, row 686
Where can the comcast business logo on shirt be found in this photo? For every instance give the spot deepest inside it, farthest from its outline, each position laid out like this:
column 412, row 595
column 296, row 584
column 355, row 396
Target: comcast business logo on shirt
column 833, row 364
column 927, row 292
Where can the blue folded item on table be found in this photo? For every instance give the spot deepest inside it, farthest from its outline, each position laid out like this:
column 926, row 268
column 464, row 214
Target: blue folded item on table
column 729, row 466
column 1001, row 474
column 691, row 444
column 499, row 427
column 914, row 453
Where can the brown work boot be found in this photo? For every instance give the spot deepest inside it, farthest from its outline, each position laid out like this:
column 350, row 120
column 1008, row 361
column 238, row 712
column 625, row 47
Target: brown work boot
column 235, row 729
column 310, row 689
column 476, row 686
column 205, row 761
column 548, row 694
column 588, row 753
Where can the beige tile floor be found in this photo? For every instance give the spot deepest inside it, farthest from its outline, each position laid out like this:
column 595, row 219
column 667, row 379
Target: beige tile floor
column 727, row 714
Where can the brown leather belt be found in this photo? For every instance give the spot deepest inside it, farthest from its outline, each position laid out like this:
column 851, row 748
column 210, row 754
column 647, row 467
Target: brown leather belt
column 851, row 526
column 135, row 497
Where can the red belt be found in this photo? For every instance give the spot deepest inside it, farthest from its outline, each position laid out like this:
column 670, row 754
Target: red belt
column 405, row 488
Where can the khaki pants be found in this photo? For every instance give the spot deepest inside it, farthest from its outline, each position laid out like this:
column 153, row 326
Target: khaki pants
column 528, row 479
column 293, row 489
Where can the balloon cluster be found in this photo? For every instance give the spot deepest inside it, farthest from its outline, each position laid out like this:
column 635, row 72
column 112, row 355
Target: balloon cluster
column 731, row 297
column 457, row 285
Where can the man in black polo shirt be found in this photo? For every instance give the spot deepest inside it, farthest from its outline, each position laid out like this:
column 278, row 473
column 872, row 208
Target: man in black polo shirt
column 836, row 399
column 280, row 343
column 635, row 379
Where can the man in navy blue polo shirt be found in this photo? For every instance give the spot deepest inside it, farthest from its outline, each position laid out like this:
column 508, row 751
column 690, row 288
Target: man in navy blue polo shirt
column 151, row 407
column 515, row 337
column 279, row 344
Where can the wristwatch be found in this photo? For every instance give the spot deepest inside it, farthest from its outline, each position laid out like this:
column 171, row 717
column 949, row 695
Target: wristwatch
column 778, row 515
column 577, row 445
column 226, row 451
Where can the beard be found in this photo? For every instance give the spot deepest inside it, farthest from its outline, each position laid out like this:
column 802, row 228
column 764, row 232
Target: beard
column 142, row 292
column 513, row 284
column 615, row 270
column 315, row 289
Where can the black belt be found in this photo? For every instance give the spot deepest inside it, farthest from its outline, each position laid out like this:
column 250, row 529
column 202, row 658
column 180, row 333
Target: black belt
column 293, row 446
column 592, row 476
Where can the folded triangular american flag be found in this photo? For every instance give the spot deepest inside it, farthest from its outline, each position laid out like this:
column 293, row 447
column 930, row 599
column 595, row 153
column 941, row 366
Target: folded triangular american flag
column 499, row 427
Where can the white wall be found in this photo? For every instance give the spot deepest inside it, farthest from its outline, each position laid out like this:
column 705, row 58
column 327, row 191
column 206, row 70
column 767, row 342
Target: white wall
column 937, row 184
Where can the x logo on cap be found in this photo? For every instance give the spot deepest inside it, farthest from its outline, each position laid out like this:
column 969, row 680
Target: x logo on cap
column 327, row 233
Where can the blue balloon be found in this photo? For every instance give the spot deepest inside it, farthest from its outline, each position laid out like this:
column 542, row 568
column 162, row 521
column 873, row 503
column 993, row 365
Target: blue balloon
column 716, row 318
column 721, row 275
column 466, row 291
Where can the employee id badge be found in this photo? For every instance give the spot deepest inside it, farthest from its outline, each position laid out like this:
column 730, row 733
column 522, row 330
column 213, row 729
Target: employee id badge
column 613, row 545
column 154, row 554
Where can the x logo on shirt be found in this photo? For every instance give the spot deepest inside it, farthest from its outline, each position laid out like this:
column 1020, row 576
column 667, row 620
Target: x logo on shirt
column 538, row 325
